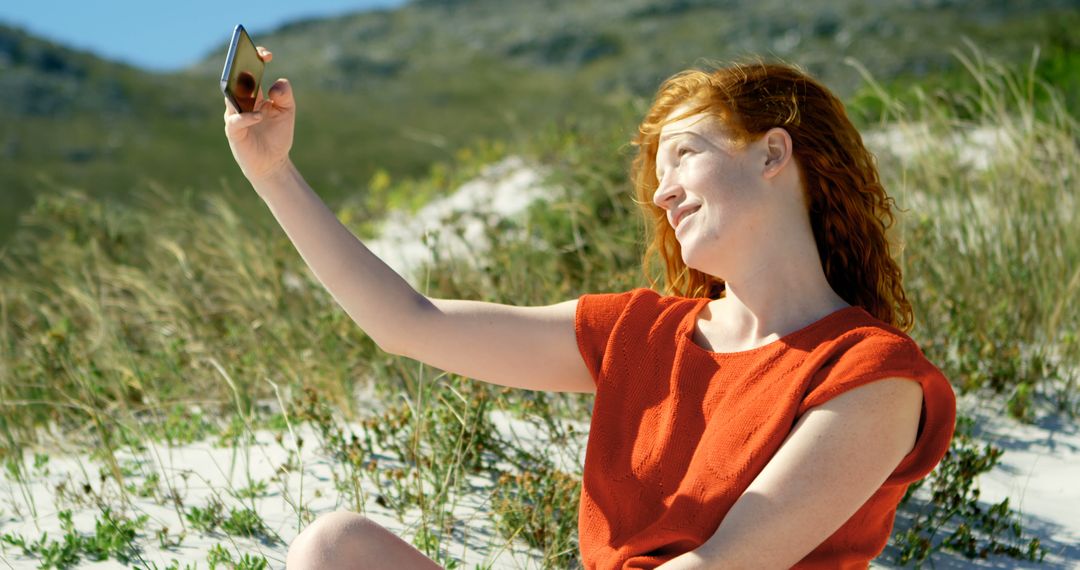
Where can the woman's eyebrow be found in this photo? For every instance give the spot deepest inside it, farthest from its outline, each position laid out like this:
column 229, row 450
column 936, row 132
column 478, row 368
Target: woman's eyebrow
column 675, row 134
column 668, row 136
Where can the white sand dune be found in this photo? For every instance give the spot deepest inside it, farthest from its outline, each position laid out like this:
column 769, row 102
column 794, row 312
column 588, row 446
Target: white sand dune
column 200, row 471
column 502, row 190
column 1039, row 472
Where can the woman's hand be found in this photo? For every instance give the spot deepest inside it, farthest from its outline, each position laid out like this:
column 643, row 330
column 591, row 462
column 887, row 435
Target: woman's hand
column 260, row 140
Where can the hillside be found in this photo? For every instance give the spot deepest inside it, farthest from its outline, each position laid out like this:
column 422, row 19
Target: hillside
column 399, row 90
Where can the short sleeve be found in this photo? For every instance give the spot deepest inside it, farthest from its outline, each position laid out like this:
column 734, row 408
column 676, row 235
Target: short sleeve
column 594, row 321
column 864, row 356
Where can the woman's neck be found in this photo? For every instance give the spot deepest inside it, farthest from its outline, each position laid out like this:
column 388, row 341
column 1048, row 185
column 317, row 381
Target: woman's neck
column 767, row 305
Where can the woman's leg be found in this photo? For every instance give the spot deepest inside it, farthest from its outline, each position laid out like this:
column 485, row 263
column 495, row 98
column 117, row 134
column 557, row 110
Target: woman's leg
column 349, row 541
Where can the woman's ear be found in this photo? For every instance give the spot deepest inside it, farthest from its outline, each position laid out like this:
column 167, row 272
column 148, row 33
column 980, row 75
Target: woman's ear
column 777, row 151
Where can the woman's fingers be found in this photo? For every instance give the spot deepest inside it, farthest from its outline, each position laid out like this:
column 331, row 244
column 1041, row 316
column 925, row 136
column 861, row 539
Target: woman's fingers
column 279, row 96
column 264, row 53
column 240, row 121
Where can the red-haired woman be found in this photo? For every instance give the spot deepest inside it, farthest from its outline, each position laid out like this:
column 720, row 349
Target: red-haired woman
column 768, row 411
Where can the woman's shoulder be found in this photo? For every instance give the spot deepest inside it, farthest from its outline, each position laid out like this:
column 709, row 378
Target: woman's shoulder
column 858, row 348
column 866, row 350
column 854, row 326
column 637, row 299
column 863, row 349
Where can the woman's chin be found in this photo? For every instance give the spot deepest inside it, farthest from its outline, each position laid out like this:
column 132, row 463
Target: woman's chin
column 688, row 254
column 695, row 258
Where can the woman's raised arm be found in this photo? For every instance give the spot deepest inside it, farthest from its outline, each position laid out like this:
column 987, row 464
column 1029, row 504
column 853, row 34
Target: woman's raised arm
column 534, row 348
column 524, row 347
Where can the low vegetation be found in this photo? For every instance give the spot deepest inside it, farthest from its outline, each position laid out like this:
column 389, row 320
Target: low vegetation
column 175, row 320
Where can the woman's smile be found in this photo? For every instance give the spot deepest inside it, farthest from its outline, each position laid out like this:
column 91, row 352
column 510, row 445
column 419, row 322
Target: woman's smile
column 681, row 221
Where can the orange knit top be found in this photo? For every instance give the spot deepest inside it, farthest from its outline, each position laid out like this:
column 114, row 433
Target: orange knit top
column 679, row 432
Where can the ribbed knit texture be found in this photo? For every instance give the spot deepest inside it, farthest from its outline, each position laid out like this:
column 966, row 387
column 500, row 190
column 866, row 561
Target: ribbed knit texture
column 679, row 432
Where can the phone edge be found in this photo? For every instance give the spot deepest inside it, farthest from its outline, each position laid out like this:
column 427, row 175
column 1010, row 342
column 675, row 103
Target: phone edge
column 235, row 41
column 229, row 59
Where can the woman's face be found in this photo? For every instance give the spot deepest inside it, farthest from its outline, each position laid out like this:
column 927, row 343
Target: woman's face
column 708, row 187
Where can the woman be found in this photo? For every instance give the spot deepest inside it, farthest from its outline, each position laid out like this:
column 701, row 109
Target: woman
column 770, row 413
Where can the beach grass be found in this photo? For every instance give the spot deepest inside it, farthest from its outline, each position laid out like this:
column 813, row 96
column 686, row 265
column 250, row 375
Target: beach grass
column 130, row 332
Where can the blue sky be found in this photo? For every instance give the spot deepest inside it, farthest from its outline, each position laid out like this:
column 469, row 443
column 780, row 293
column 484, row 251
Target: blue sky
column 158, row 35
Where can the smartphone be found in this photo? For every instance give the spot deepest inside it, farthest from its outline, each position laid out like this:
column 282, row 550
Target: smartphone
column 242, row 76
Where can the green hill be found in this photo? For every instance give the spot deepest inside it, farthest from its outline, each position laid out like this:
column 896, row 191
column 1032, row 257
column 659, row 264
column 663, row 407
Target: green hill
column 401, row 89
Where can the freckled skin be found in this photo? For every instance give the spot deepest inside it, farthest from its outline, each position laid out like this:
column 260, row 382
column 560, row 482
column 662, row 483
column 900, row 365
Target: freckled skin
column 706, row 168
column 751, row 227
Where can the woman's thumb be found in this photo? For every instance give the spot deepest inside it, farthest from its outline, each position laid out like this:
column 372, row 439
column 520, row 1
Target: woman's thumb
column 281, row 94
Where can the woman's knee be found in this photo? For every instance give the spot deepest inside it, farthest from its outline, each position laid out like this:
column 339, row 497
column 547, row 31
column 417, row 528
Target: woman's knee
column 334, row 540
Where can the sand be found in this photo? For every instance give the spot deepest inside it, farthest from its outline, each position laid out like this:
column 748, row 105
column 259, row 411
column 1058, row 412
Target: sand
column 1039, row 472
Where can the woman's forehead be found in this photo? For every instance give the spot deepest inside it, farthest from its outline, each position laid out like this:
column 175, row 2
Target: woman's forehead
column 701, row 122
column 705, row 125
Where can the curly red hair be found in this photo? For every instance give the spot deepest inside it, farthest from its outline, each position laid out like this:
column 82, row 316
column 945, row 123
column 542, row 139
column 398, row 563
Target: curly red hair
column 849, row 210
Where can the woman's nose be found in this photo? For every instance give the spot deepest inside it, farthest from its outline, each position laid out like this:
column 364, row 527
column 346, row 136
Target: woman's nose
column 665, row 192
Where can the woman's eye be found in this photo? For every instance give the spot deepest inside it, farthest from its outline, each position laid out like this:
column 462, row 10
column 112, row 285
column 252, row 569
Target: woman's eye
column 683, row 151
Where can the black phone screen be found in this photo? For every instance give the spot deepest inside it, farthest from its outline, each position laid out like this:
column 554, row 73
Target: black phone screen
column 242, row 76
